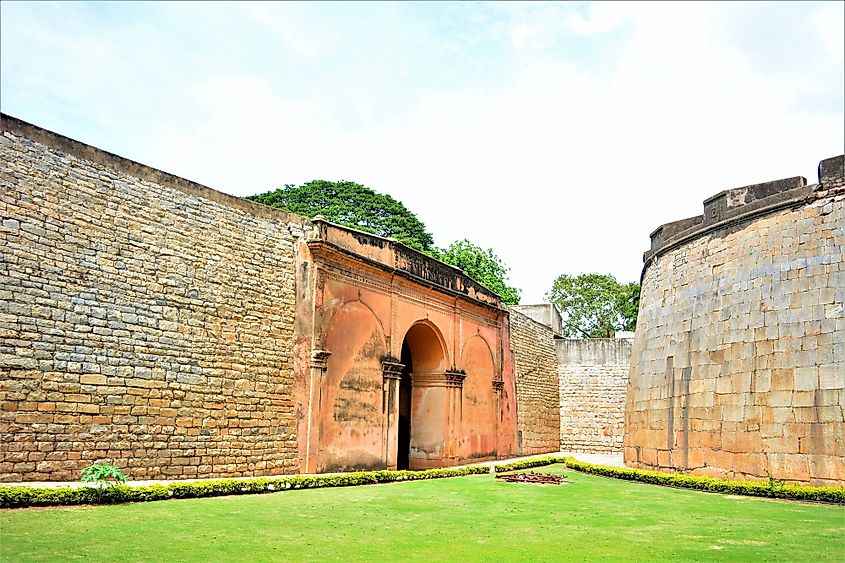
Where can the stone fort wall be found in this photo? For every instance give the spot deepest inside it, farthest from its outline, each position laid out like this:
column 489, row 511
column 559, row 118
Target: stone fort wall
column 738, row 366
column 152, row 323
column 593, row 376
column 145, row 320
column 537, row 389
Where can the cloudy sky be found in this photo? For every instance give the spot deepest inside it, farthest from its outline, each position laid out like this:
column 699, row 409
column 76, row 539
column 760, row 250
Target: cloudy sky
column 558, row 134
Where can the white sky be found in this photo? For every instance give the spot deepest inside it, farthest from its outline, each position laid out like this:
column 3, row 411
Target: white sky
column 558, row 134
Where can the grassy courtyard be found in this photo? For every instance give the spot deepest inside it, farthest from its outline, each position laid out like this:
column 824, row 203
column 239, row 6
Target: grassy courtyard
column 459, row 519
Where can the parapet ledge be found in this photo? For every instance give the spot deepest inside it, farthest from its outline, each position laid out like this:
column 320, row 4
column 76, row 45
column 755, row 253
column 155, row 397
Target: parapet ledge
column 390, row 255
column 832, row 172
column 78, row 149
column 741, row 204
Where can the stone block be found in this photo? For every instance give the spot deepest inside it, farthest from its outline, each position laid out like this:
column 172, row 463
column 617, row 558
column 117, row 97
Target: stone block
column 832, row 376
column 780, row 399
column 92, row 379
column 782, row 379
column 806, row 378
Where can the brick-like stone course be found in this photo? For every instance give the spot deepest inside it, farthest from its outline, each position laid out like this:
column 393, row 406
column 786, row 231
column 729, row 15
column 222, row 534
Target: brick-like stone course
column 593, row 382
column 537, row 391
column 738, row 366
column 141, row 324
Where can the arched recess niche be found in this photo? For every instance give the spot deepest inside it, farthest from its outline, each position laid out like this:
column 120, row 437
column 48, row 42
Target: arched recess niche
column 480, row 405
column 351, row 429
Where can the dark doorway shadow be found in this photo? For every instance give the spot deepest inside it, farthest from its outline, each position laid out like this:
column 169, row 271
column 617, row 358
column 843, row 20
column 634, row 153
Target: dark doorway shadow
column 404, row 441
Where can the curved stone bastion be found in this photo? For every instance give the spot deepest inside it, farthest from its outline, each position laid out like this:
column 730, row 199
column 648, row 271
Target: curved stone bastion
column 738, row 365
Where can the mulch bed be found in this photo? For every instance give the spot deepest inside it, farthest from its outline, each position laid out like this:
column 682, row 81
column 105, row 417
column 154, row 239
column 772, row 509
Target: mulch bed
column 536, row 478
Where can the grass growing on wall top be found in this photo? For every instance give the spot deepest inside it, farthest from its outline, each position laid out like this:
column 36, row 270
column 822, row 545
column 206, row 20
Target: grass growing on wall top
column 461, row 519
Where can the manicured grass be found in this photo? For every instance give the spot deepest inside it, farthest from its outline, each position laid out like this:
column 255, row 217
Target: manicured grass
column 458, row 519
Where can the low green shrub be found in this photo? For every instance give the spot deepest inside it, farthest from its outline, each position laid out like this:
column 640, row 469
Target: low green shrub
column 103, row 473
column 19, row 497
column 771, row 488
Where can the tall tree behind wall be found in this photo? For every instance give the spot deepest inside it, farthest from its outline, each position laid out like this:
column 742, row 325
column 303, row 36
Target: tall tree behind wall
column 359, row 207
column 595, row 305
column 481, row 265
column 353, row 205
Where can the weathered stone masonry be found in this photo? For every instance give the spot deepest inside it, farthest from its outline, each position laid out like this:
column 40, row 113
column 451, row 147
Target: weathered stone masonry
column 145, row 319
column 593, row 381
column 176, row 331
column 537, row 391
column 738, row 366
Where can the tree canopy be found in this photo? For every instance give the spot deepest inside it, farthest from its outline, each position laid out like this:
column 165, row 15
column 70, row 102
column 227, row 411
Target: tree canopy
column 595, row 305
column 481, row 265
column 352, row 205
column 359, row 207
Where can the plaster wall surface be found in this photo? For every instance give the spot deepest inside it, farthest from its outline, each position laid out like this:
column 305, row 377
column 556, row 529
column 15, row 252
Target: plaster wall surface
column 382, row 315
column 738, row 366
column 537, row 387
column 145, row 320
column 593, row 381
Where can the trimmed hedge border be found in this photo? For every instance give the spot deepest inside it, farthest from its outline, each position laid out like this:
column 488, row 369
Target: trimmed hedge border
column 768, row 489
column 21, row 496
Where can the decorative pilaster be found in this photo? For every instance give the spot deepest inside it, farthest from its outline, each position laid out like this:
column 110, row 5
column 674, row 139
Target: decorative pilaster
column 455, row 378
column 498, row 387
column 320, row 359
column 392, row 374
column 319, row 364
column 455, row 383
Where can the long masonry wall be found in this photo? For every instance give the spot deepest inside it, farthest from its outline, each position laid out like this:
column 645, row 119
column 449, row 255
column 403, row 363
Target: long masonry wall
column 145, row 321
column 593, row 380
column 537, row 391
column 738, row 366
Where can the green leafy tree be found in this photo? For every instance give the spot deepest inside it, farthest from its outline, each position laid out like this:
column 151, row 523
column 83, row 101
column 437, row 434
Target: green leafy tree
column 595, row 305
column 352, row 205
column 481, row 265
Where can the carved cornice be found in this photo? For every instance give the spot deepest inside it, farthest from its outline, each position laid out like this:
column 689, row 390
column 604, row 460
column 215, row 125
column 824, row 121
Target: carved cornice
column 392, row 370
column 438, row 379
column 455, row 378
column 328, row 251
column 320, row 358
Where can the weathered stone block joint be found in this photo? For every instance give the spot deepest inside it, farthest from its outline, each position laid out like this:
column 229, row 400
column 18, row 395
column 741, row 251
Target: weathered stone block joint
column 537, row 391
column 738, row 366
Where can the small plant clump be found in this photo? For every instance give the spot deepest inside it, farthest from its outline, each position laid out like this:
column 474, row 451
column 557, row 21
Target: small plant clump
column 103, row 473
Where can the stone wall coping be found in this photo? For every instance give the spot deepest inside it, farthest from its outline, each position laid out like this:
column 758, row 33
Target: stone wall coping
column 739, row 215
column 397, row 249
column 741, row 205
column 141, row 171
column 512, row 310
column 319, row 247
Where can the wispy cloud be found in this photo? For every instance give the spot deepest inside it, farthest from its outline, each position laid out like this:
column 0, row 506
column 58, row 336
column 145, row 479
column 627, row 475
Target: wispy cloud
column 560, row 134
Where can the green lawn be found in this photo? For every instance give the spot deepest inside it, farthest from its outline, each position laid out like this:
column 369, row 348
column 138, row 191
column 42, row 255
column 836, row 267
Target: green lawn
column 459, row 519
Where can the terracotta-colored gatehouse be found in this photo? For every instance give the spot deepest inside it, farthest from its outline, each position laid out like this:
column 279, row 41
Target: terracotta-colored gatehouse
column 401, row 362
